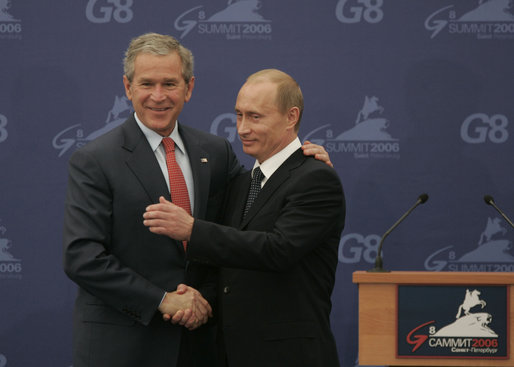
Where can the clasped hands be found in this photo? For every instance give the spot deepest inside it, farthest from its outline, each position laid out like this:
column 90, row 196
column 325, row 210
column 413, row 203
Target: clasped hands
column 185, row 307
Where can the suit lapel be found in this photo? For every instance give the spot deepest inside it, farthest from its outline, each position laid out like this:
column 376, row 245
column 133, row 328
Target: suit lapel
column 282, row 174
column 238, row 193
column 199, row 160
column 143, row 163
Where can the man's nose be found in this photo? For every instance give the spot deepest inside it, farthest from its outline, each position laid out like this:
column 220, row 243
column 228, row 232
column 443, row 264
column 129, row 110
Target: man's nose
column 242, row 126
column 158, row 94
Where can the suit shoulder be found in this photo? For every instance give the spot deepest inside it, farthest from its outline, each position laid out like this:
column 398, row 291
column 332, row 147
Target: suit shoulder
column 215, row 145
column 102, row 145
column 203, row 136
column 312, row 163
column 315, row 170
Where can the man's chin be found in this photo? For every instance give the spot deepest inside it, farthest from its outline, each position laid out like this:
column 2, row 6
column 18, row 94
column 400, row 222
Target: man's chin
column 247, row 150
column 163, row 127
column 250, row 152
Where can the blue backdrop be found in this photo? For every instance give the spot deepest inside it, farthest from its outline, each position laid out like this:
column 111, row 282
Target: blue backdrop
column 407, row 97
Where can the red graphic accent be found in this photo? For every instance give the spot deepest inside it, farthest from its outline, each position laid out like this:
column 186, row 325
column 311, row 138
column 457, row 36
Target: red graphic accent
column 418, row 339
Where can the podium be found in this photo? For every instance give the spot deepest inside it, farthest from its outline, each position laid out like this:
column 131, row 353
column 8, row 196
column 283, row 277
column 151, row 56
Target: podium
column 379, row 318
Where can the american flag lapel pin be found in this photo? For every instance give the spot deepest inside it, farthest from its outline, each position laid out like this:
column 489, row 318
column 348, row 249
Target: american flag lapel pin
column 203, row 160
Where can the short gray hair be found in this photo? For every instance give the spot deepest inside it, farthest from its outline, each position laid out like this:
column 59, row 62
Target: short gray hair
column 157, row 44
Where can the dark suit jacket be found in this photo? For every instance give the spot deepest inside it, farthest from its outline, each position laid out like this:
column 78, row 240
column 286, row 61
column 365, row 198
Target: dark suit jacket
column 278, row 266
column 123, row 269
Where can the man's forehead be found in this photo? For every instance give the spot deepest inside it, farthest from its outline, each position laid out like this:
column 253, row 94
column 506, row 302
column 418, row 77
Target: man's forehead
column 261, row 88
column 171, row 64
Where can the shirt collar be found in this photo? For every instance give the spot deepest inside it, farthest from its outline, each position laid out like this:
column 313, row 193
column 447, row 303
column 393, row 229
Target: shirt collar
column 155, row 139
column 270, row 165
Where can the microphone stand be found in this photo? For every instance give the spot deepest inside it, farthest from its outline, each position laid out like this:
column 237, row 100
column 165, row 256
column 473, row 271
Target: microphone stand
column 378, row 260
column 490, row 201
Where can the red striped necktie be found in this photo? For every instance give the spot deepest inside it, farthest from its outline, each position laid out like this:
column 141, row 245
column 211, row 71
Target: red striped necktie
column 178, row 187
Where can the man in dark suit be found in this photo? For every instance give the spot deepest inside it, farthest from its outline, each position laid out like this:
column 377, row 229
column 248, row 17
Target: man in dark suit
column 278, row 260
column 127, row 276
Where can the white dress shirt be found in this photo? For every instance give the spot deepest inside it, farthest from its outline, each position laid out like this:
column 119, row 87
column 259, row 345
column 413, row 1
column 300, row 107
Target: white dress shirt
column 155, row 141
column 270, row 165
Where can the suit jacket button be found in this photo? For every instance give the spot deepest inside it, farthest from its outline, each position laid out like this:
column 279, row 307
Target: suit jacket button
column 226, row 290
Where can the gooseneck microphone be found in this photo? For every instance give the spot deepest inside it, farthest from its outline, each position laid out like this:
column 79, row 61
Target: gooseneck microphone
column 378, row 260
column 490, row 201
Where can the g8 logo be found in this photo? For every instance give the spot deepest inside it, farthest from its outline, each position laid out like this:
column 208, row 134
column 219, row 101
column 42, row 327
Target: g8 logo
column 479, row 127
column 120, row 10
column 3, row 131
column 354, row 247
column 229, row 120
column 370, row 11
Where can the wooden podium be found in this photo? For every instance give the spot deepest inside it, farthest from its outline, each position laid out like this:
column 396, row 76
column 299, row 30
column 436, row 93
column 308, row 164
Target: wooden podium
column 378, row 314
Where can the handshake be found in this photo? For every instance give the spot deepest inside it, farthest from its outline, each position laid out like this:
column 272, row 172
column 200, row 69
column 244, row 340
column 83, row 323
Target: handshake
column 185, row 307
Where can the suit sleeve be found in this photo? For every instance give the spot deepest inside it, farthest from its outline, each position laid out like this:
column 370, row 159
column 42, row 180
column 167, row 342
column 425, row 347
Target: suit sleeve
column 87, row 235
column 232, row 169
column 307, row 215
column 234, row 166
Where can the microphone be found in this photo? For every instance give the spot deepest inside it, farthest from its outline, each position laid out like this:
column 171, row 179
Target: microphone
column 490, row 201
column 378, row 260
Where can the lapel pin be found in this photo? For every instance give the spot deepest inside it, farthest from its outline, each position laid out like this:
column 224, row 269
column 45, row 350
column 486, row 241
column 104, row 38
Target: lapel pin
column 203, row 160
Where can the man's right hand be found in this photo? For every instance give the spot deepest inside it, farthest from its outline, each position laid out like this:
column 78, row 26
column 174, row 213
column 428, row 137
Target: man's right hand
column 187, row 306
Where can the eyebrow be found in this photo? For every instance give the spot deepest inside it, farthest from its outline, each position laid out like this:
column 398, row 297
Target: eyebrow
column 251, row 112
column 145, row 79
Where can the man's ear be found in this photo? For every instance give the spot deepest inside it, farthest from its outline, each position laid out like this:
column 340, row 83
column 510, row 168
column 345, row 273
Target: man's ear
column 126, row 83
column 293, row 115
column 189, row 89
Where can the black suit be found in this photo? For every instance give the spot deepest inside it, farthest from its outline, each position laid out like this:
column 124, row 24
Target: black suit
column 278, row 266
column 123, row 269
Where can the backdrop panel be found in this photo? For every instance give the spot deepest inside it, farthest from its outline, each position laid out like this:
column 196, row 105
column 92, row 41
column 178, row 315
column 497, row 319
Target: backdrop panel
column 406, row 96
